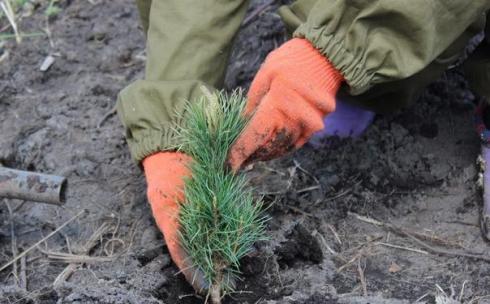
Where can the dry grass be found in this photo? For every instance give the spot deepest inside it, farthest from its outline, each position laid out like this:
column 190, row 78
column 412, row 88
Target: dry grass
column 13, row 11
column 8, row 12
column 454, row 297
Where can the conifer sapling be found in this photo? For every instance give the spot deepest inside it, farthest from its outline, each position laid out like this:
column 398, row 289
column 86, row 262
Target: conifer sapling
column 219, row 220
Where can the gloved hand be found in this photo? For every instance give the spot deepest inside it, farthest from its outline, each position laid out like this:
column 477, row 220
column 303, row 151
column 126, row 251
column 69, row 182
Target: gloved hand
column 346, row 121
column 165, row 173
column 291, row 93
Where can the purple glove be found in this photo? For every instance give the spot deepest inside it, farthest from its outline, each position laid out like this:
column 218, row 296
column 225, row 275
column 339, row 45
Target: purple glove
column 346, row 121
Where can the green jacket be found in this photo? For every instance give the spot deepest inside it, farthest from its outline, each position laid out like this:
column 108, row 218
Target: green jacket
column 387, row 50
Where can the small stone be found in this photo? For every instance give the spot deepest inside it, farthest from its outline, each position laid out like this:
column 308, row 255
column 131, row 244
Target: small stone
column 47, row 63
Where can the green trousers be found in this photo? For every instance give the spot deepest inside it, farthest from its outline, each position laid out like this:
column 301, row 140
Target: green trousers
column 388, row 52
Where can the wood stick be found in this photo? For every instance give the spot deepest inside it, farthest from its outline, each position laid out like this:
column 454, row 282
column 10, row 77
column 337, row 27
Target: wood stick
column 14, row 260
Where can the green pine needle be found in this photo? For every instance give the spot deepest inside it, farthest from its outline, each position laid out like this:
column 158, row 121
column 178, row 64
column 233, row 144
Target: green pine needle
column 220, row 220
column 52, row 9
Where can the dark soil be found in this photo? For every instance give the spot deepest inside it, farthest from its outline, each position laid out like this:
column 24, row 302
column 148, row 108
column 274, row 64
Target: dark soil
column 416, row 169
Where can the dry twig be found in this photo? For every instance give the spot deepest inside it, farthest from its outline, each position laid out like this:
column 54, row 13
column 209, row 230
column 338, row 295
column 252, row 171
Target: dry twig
column 297, row 210
column 448, row 252
column 75, row 258
column 350, row 262
column 335, row 234
column 402, row 248
column 298, row 165
column 83, row 250
column 111, row 112
column 13, row 241
column 339, row 195
column 362, row 277
column 23, row 275
column 416, row 238
column 308, row 189
column 322, row 239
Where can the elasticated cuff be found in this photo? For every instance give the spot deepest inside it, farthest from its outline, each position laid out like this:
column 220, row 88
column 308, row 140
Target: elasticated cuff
column 352, row 68
column 152, row 141
column 316, row 65
column 152, row 111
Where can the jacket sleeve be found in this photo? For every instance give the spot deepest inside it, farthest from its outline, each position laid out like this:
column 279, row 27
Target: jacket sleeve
column 188, row 45
column 379, row 41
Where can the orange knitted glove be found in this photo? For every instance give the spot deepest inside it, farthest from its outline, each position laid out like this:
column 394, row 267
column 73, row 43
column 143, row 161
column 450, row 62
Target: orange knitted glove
column 292, row 92
column 165, row 173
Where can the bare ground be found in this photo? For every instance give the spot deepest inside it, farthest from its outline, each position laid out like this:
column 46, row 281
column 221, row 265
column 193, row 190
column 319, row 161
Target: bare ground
column 415, row 171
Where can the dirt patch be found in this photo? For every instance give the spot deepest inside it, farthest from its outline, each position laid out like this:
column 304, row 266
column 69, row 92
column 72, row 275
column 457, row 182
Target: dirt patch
column 416, row 168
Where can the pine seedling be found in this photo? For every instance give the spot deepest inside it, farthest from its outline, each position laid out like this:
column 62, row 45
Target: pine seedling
column 220, row 220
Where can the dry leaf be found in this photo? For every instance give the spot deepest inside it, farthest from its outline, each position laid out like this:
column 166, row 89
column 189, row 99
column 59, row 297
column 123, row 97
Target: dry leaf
column 394, row 268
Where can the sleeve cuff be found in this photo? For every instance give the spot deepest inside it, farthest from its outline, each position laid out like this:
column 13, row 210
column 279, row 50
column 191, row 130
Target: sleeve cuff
column 152, row 141
column 350, row 66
